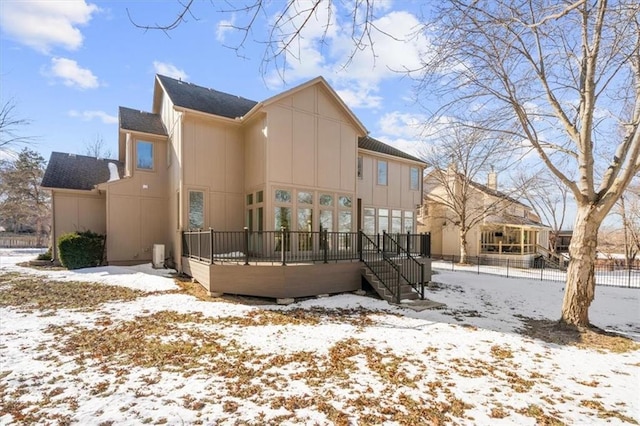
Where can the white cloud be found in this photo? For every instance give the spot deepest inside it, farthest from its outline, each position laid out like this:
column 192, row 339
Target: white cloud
column 72, row 74
column 399, row 124
column 224, row 27
column 356, row 75
column 169, row 70
column 43, row 25
column 90, row 115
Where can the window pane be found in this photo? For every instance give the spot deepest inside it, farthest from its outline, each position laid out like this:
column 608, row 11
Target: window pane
column 305, row 220
column 344, row 221
column 396, row 225
column 196, row 210
column 249, row 199
column 305, row 198
column 144, row 155
column 259, row 196
column 326, row 220
column 382, row 172
column 326, row 200
column 283, row 196
column 359, row 167
column 369, row 211
column 383, row 220
column 260, row 220
column 396, row 213
column 250, row 219
column 282, row 217
column 415, row 178
column 408, row 225
column 344, row 201
column 369, row 225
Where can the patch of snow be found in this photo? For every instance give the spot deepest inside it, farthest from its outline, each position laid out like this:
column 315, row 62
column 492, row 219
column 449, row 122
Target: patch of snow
column 113, row 172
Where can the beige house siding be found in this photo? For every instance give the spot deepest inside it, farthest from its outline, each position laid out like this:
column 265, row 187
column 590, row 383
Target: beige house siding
column 77, row 211
column 136, row 213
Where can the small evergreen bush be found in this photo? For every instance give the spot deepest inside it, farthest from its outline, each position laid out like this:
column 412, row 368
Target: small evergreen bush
column 81, row 249
column 45, row 256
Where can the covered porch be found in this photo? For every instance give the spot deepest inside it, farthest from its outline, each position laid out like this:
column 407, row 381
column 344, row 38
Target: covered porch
column 510, row 239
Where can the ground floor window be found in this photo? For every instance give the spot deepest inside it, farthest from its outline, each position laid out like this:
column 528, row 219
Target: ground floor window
column 196, row 210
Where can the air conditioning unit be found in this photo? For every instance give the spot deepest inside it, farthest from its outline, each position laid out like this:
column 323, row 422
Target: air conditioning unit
column 158, row 256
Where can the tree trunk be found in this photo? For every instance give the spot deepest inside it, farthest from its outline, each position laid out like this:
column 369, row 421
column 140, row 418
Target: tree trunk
column 580, row 286
column 463, row 246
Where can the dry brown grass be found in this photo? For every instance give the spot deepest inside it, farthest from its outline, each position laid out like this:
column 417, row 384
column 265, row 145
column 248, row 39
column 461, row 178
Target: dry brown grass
column 586, row 338
column 33, row 293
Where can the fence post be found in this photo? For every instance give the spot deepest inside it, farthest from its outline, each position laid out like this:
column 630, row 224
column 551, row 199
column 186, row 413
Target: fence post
column 384, row 241
column 507, row 267
column 542, row 270
column 408, row 242
column 246, row 246
column 398, row 288
column 453, row 261
column 629, row 267
column 326, row 243
column 360, row 238
column 200, row 245
column 282, row 246
column 478, row 262
column 210, row 246
column 422, row 280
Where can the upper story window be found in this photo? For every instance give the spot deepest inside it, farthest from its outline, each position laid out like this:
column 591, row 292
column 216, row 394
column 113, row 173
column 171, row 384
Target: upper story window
column 360, row 167
column 144, row 155
column 414, row 183
column 382, row 172
column 196, row 209
column 283, row 196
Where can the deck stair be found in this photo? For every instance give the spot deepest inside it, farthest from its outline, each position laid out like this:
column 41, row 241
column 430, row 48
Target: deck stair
column 393, row 273
column 552, row 259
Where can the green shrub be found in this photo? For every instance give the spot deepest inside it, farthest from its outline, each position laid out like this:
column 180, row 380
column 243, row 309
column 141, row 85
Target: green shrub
column 45, row 256
column 81, row 249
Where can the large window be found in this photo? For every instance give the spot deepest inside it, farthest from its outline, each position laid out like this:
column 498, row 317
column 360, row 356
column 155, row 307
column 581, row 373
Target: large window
column 369, row 222
column 396, row 221
column 383, row 220
column 144, row 155
column 196, row 210
column 408, row 222
column 382, row 172
column 414, row 179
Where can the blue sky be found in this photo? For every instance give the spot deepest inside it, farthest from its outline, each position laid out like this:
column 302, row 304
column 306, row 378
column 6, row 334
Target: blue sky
column 68, row 65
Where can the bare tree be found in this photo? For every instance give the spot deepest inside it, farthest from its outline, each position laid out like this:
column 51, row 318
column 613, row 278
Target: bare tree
column 561, row 76
column 285, row 26
column 548, row 198
column 629, row 211
column 97, row 148
column 463, row 156
column 10, row 125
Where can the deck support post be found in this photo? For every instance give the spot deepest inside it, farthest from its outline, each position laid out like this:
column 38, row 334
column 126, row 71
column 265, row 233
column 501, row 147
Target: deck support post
column 246, row 246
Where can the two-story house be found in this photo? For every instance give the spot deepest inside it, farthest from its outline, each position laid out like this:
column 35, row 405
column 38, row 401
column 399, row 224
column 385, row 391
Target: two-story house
column 300, row 161
column 500, row 225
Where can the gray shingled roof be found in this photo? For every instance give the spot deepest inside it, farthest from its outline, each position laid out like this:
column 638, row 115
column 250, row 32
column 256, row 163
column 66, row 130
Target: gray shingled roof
column 372, row 144
column 188, row 95
column 140, row 121
column 70, row 171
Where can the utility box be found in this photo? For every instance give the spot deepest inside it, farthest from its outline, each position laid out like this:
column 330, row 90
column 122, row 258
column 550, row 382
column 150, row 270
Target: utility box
column 158, row 256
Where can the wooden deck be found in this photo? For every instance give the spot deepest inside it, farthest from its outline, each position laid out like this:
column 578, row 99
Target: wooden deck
column 276, row 281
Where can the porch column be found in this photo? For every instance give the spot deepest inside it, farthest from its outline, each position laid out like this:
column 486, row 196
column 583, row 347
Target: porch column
column 522, row 240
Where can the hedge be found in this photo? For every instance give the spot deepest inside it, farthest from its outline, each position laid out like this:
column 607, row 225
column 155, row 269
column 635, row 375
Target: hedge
column 81, row 249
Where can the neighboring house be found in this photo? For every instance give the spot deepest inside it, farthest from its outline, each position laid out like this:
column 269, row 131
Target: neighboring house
column 203, row 159
column 563, row 240
column 504, row 226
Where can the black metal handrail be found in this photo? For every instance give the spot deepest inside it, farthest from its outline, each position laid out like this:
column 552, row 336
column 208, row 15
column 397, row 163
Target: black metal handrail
column 381, row 266
column 275, row 247
column 412, row 271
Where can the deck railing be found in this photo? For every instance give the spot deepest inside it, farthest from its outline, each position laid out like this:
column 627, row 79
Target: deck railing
column 284, row 247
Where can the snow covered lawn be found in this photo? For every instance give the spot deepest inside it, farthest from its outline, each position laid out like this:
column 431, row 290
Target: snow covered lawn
column 119, row 345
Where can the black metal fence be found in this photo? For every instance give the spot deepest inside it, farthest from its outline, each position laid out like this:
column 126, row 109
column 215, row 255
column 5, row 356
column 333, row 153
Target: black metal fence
column 283, row 247
column 607, row 272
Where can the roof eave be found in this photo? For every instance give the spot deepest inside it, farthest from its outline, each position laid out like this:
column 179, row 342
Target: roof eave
column 394, row 157
column 235, row 121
